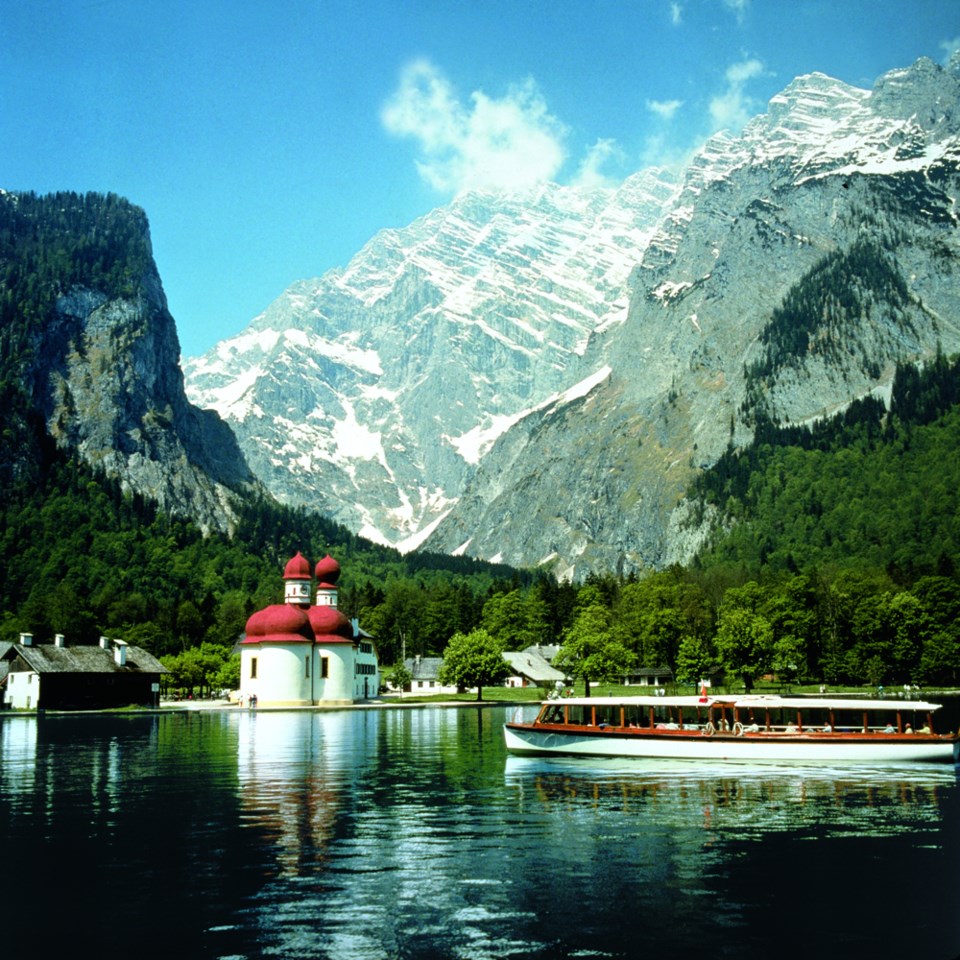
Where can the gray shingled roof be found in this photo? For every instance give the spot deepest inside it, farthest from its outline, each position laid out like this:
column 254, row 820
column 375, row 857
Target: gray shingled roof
column 49, row 658
column 652, row 672
column 533, row 667
column 546, row 650
column 424, row 668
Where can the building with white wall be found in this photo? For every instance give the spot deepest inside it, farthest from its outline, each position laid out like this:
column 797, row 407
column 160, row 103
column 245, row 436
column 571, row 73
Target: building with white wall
column 300, row 654
column 62, row 676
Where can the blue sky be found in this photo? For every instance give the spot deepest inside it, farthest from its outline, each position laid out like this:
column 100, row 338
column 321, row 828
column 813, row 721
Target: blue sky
column 268, row 141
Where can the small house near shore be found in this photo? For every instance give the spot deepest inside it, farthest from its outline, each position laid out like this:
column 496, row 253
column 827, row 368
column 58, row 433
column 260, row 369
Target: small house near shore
column 529, row 669
column 425, row 675
column 649, row 677
column 58, row 676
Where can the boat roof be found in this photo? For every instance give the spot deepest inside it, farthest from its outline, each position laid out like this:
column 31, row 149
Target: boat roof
column 746, row 701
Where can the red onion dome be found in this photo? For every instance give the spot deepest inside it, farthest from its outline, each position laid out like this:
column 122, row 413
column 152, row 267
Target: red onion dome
column 327, row 571
column 279, row 623
column 330, row 625
column 297, row 568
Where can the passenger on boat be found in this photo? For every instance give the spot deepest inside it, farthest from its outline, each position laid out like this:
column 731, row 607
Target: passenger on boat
column 925, row 728
column 753, row 728
column 791, row 727
column 908, row 729
column 827, row 728
column 889, row 728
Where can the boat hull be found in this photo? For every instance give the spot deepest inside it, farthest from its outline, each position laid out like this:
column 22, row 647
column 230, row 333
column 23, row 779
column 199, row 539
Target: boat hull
column 531, row 739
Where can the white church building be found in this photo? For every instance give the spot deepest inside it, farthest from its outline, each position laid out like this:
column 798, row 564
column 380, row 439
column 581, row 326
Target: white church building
column 298, row 654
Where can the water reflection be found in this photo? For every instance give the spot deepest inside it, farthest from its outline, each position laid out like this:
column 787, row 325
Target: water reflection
column 346, row 835
column 741, row 799
column 411, row 833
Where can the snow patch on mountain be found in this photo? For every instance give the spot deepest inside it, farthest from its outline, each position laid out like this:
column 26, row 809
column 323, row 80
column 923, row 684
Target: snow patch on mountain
column 473, row 444
column 371, row 392
column 433, row 387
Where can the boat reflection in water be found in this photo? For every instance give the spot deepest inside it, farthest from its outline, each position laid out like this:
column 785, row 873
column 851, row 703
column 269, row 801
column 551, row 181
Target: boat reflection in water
column 742, row 800
column 751, row 860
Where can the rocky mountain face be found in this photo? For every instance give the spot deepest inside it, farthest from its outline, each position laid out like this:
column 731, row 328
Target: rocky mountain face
column 535, row 379
column 97, row 355
column 370, row 394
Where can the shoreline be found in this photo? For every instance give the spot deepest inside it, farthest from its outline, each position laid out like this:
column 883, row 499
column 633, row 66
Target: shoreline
column 226, row 706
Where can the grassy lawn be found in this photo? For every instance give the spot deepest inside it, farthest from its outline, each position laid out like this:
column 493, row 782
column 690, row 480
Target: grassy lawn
column 490, row 695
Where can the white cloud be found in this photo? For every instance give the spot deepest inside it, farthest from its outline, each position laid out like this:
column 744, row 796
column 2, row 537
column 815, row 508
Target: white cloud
column 732, row 108
column 590, row 174
column 949, row 47
column 739, row 7
column 494, row 144
column 665, row 109
column 676, row 14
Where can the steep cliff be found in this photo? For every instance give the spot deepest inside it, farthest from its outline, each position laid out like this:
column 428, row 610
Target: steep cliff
column 90, row 358
column 800, row 263
column 371, row 393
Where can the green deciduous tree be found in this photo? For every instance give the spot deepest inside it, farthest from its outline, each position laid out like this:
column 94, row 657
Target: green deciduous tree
column 399, row 677
column 516, row 619
column 473, row 659
column 696, row 659
column 744, row 643
column 593, row 647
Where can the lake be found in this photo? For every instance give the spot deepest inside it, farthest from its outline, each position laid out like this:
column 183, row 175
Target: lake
column 409, row 833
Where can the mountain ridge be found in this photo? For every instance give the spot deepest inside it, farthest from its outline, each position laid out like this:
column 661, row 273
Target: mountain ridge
column 355, row 428
column 519, row 299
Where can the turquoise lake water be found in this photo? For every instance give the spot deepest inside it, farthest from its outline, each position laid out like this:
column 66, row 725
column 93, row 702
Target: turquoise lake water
column 409, row 833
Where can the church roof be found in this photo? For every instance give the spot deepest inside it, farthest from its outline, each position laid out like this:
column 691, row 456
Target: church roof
column 327, row 571
column 297, row 568
column 296, row 622
column 279, row 623
column 330, row 625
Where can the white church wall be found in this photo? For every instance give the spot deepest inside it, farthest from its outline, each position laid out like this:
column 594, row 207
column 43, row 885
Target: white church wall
column 280, row 679
column 337, row 686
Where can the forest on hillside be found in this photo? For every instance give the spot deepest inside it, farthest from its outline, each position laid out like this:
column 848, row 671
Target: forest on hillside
column 834, row 556
column 835, row 560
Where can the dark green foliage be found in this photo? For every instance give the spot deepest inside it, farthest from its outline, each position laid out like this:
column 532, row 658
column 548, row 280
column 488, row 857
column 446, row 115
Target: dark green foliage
column 50, row 245
column 53, row 243
column 862, row 488
column 824, row 313
column 920, row 396
column 83, row 558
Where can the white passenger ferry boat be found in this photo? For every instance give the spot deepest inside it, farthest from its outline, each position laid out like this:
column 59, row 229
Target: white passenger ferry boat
column 751, row 728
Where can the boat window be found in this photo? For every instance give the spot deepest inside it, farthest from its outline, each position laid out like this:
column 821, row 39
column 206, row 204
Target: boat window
column 605, row 717
column 635, row 716
column 665, row 718
column 553, row 714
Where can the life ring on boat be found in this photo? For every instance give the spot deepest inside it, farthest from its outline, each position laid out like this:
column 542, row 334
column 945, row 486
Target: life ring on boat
column 709, row 729
column 738, row 729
